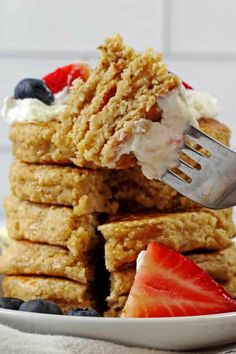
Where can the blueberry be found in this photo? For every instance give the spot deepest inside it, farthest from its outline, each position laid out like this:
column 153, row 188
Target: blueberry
column 34, row 88
column 83, row 312
column 40, row 306
column 10, row 303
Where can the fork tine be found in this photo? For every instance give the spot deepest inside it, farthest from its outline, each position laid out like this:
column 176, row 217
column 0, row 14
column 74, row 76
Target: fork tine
column 173, row 179
column 186, row 169
column 186, row 163
column 201, row 138
column 192, row 153
column 182, row 186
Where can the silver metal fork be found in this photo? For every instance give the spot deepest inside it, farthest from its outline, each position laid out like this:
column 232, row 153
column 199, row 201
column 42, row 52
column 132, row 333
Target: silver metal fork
column 212, row 183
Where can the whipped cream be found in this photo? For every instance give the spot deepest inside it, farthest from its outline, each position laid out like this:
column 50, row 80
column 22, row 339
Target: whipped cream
column 202, row 103
column 31, row 110
column 156, row 144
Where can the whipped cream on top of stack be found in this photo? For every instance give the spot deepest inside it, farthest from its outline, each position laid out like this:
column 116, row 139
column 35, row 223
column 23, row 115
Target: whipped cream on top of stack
column 30, row 110
column 156, row 144
column 27, row 107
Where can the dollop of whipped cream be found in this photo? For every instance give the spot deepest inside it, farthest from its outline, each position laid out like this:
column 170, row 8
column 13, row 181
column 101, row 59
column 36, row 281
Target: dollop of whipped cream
column 139, row 260
column 31, row 110
column 156, row 144
column 202, row 103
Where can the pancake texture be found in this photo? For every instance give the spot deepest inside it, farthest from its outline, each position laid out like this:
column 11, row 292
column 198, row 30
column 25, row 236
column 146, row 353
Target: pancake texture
column 51, row 224
column 205, row 229
column 86, row 190
column 65, row 293
column 27, row 258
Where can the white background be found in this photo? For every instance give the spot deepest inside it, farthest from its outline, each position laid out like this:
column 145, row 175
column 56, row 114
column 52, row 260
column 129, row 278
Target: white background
column 196, row 36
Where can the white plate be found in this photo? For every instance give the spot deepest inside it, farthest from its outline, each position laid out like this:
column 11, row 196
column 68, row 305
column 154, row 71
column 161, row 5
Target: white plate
column 183, row 333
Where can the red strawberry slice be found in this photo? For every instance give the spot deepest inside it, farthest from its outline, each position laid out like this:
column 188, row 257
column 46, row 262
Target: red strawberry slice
column 169, row 284
column 76, row 70
column 187, row 86
column 63, row 76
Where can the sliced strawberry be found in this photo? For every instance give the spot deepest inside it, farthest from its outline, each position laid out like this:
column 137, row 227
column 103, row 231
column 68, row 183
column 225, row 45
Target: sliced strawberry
column 63, row 77
column 57, row 80
column 168, row 284
column 77, row 70
column 187, row 86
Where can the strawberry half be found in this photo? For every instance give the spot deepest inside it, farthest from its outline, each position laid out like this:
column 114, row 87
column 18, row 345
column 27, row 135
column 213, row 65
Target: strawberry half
column 63, row 76
column 168, row 284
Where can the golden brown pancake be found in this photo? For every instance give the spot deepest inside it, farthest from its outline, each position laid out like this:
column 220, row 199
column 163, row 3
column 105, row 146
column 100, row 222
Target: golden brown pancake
column 66, row 293
column 27, row 258
column 51, row 224
column 121, row 89
column 86, row 190
column 126, row 237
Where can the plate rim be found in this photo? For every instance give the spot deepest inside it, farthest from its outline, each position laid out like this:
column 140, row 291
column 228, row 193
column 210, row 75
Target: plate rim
column 161, row 320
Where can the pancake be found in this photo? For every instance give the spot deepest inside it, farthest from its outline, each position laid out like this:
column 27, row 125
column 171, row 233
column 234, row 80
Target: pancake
column 122, row 88
column 220, row 265
column 33, row 142
column 86, row 190
column 27, row 258
column 50, row 224
column 127, row 236
column 66, row 293
column 230, row 286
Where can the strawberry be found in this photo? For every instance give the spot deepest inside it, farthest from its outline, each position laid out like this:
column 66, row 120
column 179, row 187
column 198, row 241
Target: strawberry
column 169, row 284
column 63, row 76
column 187, row 86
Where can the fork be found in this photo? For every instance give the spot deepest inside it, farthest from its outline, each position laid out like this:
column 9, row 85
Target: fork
column 212, row 180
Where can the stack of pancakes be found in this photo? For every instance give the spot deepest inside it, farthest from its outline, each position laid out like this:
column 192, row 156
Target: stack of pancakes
column 52, row 217
column 61, row 194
